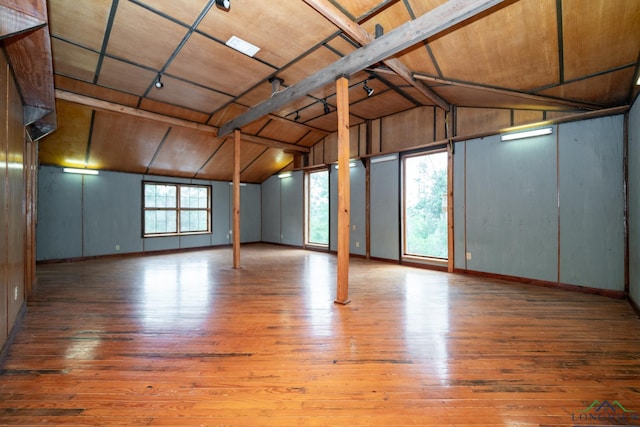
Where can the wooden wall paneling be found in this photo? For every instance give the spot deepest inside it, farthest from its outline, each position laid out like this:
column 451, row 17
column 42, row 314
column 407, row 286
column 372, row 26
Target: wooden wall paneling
column 474, row 121
column 68, row 144
column 440, row 124
column 613, row 30
column 220, row 165
column 89, row 21
column 282, row 131
column 183, row 151
column 268, row 163
column 74, row 61
column 127, row 77
column 383, row 103
column 4, row 267
column 187, row 95
column 407, row 129
column 77, row 86
column 523, row 117
column 606, row 90
column 331, row 148
column 362, row 139
column 135, row 36
column 376, row 136
column 311, row 138
column 16, row 212
column 308, row 32
column 191, row 64
column 173, row 111
column 124, row 142
column 503, row 56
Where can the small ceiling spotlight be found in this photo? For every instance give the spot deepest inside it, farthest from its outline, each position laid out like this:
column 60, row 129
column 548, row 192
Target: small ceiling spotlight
column 158, row 83
column 327, row 110
column 367, row 89
column 223, row 4
column 297, row 117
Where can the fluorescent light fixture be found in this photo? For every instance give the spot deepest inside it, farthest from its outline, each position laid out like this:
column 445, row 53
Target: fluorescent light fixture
column 352, row 164
column 384, row 158
column 81, row 171
column 242, row 46
column 638, row 81
column 285, row 175
column 526, row 134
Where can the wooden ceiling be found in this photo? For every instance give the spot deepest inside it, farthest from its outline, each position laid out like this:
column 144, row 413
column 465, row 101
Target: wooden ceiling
column 108, row 54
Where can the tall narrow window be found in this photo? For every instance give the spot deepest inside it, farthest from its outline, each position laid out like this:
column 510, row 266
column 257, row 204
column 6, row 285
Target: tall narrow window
column 173, row 209
column 317, row 221
column 425, row 205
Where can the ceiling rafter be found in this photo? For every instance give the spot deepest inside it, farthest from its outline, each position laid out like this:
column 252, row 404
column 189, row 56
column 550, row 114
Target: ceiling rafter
column 431, row 23
column 362, row 36
column 101, row 105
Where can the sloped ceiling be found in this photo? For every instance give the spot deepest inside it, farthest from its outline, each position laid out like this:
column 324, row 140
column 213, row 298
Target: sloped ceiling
column 533, row 54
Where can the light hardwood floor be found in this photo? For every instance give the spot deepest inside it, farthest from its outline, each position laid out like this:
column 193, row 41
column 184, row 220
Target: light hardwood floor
column 183, row 339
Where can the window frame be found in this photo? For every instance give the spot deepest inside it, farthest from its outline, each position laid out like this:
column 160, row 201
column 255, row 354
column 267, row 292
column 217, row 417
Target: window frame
column 307, row 209
column 177, row 209
column 404, row 253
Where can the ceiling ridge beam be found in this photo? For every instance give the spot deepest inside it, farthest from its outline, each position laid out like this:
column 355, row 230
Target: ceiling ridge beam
column 362, row 36
column 112, row 107
column 431, row 23
column 509, row 92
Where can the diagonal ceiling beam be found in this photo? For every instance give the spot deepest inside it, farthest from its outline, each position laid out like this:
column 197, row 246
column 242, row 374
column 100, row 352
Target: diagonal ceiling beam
column 98, row 104
column 362, row 36
column 431, row 23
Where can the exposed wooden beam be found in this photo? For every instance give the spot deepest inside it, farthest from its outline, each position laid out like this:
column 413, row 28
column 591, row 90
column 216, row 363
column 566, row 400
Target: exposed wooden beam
column 362, row 36
column 431, row 23
column 13, row 22
column 528, row 96
column 98, row 104
column 275, row 144
column 344, row 191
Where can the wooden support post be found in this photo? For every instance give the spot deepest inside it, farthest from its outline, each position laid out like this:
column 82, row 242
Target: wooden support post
column 450, row 224
column 236, row 199
column 344, row 190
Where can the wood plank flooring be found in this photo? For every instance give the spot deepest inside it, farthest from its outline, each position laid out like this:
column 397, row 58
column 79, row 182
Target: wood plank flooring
column 185, row 340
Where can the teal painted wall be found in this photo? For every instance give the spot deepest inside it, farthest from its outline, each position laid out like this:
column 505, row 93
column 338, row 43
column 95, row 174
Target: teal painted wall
column 385, row 212
column 634, row 203
column 81, row 216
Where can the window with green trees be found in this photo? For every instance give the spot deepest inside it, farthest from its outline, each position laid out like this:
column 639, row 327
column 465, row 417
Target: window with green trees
column 174, row 209
column 425, row 205
column 318, row 208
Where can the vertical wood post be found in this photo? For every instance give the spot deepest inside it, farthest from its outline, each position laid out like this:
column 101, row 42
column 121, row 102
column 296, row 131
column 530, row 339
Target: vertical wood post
column 450, row 225
column 236, row 199
column 344, row 190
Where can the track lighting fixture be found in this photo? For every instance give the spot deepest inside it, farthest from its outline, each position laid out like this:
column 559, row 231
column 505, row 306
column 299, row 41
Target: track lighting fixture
column 367, row 89
column 327, row 110
column 158, row 83
column 223, row 4
column 297, row 117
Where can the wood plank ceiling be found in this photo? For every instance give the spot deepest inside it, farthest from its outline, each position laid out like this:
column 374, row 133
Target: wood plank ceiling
column 567, row 53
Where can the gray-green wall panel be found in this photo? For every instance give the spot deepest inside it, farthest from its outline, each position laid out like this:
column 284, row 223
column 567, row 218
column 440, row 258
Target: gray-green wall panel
column 459, row 205
column 271, row 210
column 511, row 207
column 384, row 212
column 292, row 212
column 634, row 202
column 112, row 212
column 59, row 225
column 592, row 203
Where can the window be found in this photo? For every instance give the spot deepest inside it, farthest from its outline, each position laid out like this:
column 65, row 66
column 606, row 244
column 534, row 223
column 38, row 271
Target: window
column 425, row 205
column 317, row 220
column 174, row 209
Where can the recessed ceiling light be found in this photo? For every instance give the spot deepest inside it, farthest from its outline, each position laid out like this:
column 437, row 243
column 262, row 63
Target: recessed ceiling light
column 242, row 46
